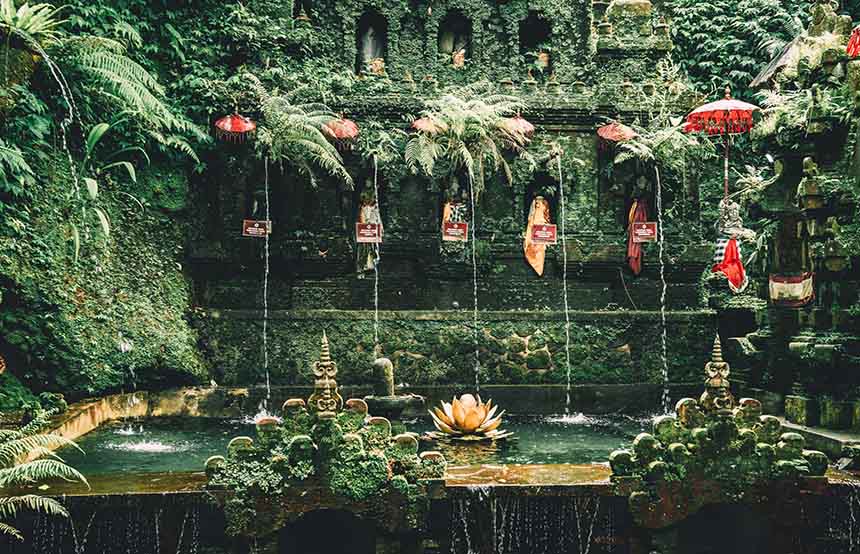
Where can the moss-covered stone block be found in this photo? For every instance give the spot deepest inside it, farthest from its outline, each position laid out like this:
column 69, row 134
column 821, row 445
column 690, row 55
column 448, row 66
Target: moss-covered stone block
column 538, row 359
column 801, row 410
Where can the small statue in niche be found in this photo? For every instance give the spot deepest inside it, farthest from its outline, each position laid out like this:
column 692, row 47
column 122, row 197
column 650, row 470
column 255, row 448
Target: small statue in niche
column 368, row 212
column 372, row 50
column 454, row 38
column 539, row 214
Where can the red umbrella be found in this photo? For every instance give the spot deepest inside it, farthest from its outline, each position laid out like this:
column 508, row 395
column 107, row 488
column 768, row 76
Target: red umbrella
column 853, row 49
column 341, row 129
column 616, row 132
column 518, row 124
column 234, row 128
column 724, row 117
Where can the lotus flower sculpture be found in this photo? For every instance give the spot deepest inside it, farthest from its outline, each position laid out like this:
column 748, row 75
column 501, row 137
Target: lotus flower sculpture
column 468, row 419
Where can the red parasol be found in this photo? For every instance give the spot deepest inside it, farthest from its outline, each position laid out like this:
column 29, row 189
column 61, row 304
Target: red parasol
column 616, row 132
column 234, row 128
column 724, row 117
column 518, row 124
column 341, row 129
column 853, row 49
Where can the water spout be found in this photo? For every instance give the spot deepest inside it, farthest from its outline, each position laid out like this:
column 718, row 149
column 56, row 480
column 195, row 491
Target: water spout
column 564, row 285
column 665, row 400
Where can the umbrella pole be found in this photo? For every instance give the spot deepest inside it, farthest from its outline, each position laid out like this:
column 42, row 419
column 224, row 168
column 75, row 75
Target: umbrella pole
column 726, row 167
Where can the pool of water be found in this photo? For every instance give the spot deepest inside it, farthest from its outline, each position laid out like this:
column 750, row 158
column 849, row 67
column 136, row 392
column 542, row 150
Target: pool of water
column 165, row 445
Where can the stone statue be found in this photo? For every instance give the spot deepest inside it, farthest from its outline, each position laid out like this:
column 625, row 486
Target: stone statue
column 539, row 214
column 731, row 223
column 372, row 50
column 325, row 400
column 717, row 396
column 383, row 372
column 368, row 254
column 385, row 401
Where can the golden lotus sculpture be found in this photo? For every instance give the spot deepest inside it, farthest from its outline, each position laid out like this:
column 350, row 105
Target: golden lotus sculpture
column 468, row 419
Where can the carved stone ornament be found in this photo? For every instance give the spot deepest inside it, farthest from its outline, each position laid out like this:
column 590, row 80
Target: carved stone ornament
column 325, row 400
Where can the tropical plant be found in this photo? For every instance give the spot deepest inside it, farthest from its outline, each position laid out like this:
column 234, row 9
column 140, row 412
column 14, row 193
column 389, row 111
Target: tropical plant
column 803, row 110
column 39, row 22
column 94, row 169
column 125, row 86
column 469, row 129
column 662, row 140
column 26, row 458
column 293, row 133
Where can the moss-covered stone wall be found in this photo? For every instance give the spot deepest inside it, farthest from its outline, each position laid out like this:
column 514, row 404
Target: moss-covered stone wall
column 438, row 347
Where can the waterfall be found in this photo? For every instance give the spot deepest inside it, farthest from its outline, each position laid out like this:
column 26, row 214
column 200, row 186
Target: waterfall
column 665, row 400
column 378, row 257
column 563, row 218
column 484, row 521
column 266, row 286
column 475, row 338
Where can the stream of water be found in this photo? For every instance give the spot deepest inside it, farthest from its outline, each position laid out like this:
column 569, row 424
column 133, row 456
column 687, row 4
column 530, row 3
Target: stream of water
column 564, row 285
column 475, row 337
column 266, row 286
column 665, row 400
column 378, row 256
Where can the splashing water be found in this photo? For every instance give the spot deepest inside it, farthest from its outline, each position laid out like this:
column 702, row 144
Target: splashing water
column 665, row 401
column 266, row 289
column 151, row 447
column 378, row 257
column 475, row 290
column 564, row 285
column 572, row 419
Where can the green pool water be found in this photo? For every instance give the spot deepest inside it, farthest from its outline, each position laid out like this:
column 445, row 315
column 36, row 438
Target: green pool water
column 160, row 445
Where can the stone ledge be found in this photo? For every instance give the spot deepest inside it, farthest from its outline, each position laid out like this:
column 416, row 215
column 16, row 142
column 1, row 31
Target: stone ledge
column 462, row 315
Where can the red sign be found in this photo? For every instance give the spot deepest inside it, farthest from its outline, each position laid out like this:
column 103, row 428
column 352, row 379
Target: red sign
column 255, row 228
column 645, row 232
column 455, row 231
column 544, row 234
column 368, row 233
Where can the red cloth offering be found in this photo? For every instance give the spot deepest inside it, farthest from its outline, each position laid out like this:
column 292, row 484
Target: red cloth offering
column 733, row 268
column 638, row 214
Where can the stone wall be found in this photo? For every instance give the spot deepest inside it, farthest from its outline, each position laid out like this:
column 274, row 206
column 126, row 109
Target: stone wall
column 438, row 347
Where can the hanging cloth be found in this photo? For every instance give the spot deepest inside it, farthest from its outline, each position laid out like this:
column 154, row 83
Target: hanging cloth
column 853, row 49
column 638, row 214
column 732, row 267
column 538, row 215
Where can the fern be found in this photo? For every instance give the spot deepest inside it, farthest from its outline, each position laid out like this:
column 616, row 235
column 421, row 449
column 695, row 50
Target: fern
column 293, row 133
column 468, row 130
column 27, row 458
column 127, row 85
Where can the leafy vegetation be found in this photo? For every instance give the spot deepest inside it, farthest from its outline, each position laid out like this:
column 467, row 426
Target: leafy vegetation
column 27, row 458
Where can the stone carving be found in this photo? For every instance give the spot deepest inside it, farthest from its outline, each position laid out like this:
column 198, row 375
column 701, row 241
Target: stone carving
column 711, row 450
column 325, row 400
column 384, row 400
column 731, row 223
column 717, row 395
column 350, row 454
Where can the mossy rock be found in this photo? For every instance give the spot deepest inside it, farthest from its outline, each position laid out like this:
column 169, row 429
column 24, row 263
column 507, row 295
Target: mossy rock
column 539, row 359
column 516, row 345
